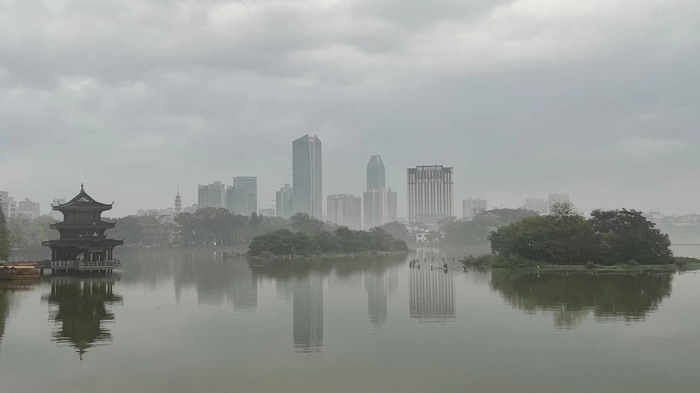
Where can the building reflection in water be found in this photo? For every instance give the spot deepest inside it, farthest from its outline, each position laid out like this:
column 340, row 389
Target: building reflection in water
column 572, row 297
column 218, row 281
column 379, row 282
column 431, row 295
column 308, row 313
column 79, row 308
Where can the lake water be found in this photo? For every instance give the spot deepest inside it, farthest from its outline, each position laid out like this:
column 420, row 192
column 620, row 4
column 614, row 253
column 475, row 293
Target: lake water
column 190, row 321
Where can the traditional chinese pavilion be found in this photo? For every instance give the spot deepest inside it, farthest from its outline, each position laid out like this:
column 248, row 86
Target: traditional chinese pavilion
column 82, row 245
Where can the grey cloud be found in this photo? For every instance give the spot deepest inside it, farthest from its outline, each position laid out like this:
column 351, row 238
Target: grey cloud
column 522, row 97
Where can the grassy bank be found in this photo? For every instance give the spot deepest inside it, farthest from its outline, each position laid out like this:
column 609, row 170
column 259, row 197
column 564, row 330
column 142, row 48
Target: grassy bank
column 496, row 261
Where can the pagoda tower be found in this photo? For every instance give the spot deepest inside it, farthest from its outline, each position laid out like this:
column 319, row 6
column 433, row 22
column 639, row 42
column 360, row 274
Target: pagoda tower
column 82, row 245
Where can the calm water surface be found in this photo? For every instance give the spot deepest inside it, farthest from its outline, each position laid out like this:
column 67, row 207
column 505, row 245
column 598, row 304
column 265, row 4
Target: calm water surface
column 187, row 321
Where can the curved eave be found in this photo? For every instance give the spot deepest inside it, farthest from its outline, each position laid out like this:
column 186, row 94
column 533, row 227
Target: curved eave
column 82, row 206
column 86, row 242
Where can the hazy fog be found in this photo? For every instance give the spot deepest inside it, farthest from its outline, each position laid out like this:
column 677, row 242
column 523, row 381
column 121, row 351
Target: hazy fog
column 598, row 98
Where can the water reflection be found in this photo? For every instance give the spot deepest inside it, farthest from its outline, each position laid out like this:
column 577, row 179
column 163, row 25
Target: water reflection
column 571, row 298
column 4, row 309
column 78, row 308
column 379, row 282
column 308, row 313
column 217, row 280
column 431, row 295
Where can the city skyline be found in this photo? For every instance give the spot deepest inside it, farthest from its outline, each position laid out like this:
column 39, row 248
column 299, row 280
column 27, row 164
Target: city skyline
column 609, row 119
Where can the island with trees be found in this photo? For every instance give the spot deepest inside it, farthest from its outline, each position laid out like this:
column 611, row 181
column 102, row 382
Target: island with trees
column 609, row 239
column 341, row 241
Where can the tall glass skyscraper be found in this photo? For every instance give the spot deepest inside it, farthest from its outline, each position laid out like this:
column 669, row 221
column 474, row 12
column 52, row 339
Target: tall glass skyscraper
column 379, row 201
column 375, row 174
column 306, row 176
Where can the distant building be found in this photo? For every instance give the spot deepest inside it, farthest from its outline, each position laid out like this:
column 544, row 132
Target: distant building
column 244, row 200
column 178, row 203
column 544, row 206
column 536, row 205
column 269, row 212
column 473, row 206
column 212, row 195
column 555, row 199
column 283, row 201
column 191, row 209
column 376, row 177
column 380, row 207
column 5, row 203
column 345, row 210
column 430, row 193
column 28, row 209
column 307, row 183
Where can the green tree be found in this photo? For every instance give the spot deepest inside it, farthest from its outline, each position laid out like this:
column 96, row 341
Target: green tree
column 302, row 222
column 626, row 235
column 397, row 230
column 563, row 237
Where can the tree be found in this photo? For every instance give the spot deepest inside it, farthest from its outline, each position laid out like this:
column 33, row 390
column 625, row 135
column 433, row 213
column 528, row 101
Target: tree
column 626, row 235
column 4, row 238
column 563, row 237
column 476, row 230
column 566, row 237
column 397, row 230
column 302, row 222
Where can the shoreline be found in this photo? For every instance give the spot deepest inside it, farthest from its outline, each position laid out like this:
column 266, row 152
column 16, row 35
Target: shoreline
column 495, row 261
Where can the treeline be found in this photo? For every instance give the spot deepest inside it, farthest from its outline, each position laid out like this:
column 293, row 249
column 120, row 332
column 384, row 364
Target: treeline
column 565, row 237
column 205, row 227
column 340, row 241
column 476, row 231
column 22, row 233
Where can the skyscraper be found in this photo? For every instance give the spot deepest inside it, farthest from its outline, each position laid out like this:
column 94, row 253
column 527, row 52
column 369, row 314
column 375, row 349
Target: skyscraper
column 379, row 207
column 379, row 201
column 211, row 195
column 306, row 176
column 472, row 207
column 345, row 210
column 283, row 202
column 246, row 195
column 375, row 174
column 429, row 193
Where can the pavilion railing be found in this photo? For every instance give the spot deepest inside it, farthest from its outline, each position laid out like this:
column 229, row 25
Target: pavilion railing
column 86, row 265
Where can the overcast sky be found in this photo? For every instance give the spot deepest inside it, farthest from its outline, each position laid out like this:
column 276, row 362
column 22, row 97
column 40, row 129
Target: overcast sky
column 598, row 98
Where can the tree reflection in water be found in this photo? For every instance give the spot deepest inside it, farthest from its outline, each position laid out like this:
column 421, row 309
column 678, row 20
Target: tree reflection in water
column 572, row 297
column 78, row 308
column 4, row 309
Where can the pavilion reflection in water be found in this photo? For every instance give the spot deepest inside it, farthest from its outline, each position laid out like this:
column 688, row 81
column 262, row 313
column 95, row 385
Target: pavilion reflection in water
column 308, row 313
column 79, row 309
column 431, row 295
